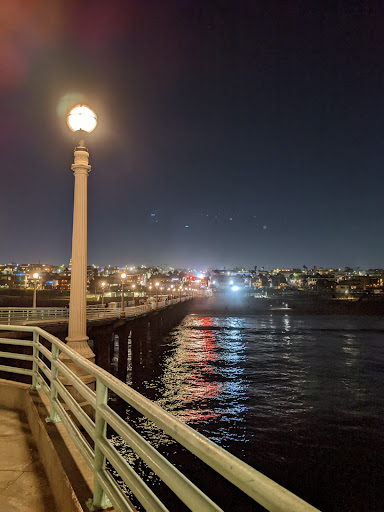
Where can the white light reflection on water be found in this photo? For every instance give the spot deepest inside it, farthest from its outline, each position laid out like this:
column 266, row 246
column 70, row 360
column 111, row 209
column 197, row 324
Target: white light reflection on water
column 351, row 350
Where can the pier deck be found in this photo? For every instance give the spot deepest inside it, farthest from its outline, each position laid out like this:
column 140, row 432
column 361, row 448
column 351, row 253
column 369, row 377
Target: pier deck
column 23, row 483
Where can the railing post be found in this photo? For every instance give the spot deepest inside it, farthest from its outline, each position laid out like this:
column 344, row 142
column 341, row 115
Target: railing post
column 35, row 368
column 53, row 416
column 99, row 499
column 9, row 317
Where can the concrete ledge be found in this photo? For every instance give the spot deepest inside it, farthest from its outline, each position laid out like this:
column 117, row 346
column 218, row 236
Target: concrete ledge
column 49, row 442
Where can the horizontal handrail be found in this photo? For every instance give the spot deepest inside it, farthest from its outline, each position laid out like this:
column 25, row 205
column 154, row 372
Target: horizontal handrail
column 21, row 316
column 256, row 485
column 18, row 308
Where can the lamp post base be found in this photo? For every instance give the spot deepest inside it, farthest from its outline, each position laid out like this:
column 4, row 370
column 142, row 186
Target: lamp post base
column 80, row 345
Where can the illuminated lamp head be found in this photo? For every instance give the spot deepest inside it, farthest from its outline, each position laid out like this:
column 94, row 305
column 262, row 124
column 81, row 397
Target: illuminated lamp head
column 82, row 118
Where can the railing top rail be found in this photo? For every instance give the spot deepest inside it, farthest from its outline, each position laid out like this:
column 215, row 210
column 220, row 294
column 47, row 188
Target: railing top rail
column 18, row 328
column 33, row 309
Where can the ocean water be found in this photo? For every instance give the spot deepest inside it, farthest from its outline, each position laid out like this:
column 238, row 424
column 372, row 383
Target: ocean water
column 300, row 399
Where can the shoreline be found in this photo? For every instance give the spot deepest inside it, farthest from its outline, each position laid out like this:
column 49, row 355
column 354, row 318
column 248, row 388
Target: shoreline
column 224, row 306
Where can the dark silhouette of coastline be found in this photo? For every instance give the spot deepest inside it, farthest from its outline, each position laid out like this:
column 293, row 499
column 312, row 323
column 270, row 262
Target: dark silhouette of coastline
column 226, row 305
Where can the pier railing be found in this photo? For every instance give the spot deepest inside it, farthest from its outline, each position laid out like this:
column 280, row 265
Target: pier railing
column 24, row 316
column 49, row 373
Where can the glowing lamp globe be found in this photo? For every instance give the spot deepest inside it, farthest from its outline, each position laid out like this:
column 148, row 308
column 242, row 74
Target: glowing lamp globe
column 83, row 118
column 35, row 275
column 123, row 276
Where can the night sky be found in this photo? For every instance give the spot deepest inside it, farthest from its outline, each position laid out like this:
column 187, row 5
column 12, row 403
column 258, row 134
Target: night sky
column 258, row 124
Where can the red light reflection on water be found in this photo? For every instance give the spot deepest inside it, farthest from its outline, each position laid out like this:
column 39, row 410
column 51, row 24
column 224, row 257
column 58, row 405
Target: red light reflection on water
column 198, row 351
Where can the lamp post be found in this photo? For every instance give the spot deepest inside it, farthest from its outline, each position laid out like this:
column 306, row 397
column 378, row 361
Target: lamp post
column 133, row 294
column 82, row 120
column 157, row 295
column 35, row 278
column 102, row 293
column 122, row 311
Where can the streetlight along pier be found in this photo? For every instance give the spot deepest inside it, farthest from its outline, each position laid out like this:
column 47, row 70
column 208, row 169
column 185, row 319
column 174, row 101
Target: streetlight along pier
column 63, row 399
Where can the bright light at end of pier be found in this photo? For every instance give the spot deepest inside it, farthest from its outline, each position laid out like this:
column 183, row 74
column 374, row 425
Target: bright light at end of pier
column 83, row 118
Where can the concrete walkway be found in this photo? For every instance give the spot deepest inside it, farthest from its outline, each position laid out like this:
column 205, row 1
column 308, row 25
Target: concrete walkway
column 23, row 484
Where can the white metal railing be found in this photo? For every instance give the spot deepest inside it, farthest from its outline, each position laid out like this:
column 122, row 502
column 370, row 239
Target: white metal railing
column 23, row 316
column 53, row 379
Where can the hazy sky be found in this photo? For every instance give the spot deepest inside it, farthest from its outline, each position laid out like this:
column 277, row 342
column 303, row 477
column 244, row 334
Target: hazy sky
column 257, row 124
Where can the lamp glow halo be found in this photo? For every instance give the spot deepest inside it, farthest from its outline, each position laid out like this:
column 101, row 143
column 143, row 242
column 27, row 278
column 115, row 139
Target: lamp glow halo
column 83, row 118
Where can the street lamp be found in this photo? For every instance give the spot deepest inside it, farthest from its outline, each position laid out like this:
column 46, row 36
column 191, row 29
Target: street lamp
column 122, row 312
column 133, row 293
column 82, row 120
column 102, row 293
column 35, row 277
column 157, row 294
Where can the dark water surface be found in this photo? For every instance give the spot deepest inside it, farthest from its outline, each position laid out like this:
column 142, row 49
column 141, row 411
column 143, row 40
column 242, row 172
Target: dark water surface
column 301, row 399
